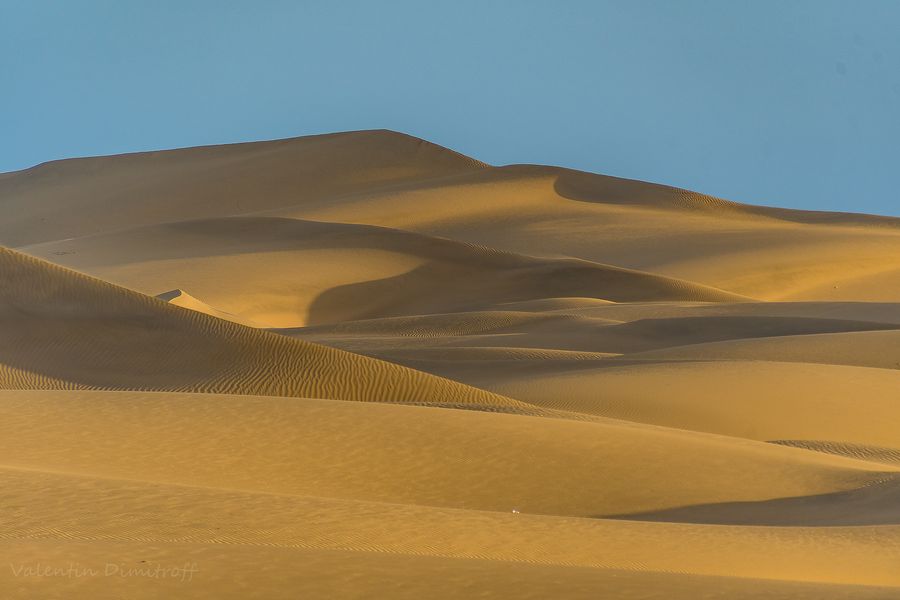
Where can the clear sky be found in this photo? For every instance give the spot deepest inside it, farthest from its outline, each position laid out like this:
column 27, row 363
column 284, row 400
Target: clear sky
column 788, row 103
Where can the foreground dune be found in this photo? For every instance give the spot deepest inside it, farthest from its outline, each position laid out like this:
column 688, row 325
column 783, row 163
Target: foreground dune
column 371, row 572
column 440, row 457
column 361, row 365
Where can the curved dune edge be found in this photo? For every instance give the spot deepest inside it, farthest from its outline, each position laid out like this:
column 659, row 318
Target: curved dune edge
column 181, row 298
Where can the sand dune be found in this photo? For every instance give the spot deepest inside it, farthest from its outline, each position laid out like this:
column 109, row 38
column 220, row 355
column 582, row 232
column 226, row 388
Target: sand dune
column 288, row 272
column 62, row 330
column 183, row 299
column 766, row 254
column 775, row 400
column 71, row 198
column 172, row 515
column 879, row 349
column 461, row 459
column 888, row 312
column 392, row 180
column 569, row 332
column 361, row 365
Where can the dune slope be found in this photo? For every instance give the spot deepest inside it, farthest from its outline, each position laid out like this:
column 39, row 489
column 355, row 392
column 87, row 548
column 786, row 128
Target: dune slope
column 65, row 330
column 71, row 198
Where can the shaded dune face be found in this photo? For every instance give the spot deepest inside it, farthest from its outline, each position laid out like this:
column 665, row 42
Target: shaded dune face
column 362, row 365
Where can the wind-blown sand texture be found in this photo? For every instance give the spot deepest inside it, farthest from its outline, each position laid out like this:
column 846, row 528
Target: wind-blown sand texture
column 361, row 365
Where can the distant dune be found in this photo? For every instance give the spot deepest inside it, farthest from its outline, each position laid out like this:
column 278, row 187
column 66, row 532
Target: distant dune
column 361, row 365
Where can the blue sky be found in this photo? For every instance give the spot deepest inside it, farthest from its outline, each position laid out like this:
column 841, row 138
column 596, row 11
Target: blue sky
column 787, row 103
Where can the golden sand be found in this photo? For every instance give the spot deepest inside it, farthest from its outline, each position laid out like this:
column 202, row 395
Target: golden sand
column 364, row 366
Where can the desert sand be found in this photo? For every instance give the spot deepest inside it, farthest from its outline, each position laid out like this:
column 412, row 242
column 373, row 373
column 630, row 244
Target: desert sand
column 361, row 365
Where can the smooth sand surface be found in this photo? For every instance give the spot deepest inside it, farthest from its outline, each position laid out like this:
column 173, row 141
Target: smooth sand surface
column 361, row 365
